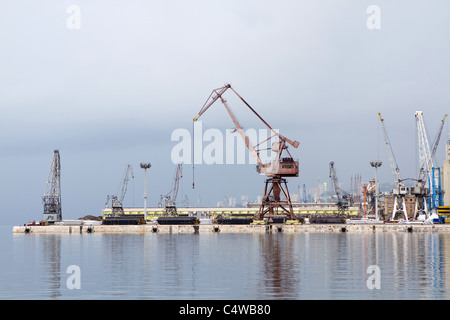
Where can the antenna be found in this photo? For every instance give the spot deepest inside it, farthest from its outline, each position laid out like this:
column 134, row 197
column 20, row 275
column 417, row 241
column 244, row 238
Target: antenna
column 192, row 154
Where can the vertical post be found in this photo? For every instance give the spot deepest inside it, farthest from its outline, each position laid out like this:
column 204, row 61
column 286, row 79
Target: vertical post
column 376, row 164
column 145, row 166
column 365, row 193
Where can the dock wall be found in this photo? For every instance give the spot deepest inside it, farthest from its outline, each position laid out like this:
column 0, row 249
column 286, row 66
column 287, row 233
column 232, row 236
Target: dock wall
column 214, row 228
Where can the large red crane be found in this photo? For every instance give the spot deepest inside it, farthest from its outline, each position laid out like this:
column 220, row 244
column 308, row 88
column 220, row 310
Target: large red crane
column 276, row 194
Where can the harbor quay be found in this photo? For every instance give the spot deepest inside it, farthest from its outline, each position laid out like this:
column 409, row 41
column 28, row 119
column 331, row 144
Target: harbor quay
column 217, row 228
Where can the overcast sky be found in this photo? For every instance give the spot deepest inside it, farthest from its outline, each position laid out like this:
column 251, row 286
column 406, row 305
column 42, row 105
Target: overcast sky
column 113, row 91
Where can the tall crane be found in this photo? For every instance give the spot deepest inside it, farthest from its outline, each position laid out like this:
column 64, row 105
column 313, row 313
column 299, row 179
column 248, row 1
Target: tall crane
column 343, row 198
column 52, row 194
column 428, row 181
column 400, row 190
column 437, row 198
column 276, row 194
column 171, row 196
column 117, row 199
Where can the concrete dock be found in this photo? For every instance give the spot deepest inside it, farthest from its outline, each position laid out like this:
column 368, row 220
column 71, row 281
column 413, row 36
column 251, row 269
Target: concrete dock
column 215, row 228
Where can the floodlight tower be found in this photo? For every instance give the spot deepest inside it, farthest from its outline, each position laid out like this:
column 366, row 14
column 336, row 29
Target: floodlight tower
column 376, row 165
column 145, row 166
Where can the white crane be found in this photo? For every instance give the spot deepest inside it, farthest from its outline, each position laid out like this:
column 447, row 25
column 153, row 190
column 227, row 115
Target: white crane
column 400, row 190
column 428, row 183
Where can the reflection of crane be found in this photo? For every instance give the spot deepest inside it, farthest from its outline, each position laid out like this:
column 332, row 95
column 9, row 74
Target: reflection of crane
column 428, row 181
column 52, row 193
column 117, row 200
column 400, row 190
column 343, row 197
column 275, row 171
column 171, row 196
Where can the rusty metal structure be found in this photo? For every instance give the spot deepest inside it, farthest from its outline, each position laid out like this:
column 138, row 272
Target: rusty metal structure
column 276, row 201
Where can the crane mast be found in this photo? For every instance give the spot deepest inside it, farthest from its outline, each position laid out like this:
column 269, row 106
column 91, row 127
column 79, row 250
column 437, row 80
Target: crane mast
column 400, row 190
column 276, row 194
column 52, row 194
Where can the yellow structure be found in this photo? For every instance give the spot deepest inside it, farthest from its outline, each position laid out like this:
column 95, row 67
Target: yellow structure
column 234, row 212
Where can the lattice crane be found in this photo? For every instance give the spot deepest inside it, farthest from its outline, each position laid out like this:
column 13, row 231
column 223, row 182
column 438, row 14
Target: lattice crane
column 117, row 199
column 52, row 194
column 400, row 190
column 171, row 197
column 344, row 199
column 276, row 194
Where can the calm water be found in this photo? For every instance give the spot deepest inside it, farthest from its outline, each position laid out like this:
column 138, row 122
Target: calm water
column 225, row 266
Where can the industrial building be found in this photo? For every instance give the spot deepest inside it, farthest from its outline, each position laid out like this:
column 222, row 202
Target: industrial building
column 446, row 175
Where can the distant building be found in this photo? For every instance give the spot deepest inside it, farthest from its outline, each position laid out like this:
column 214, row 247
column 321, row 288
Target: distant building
column 446, row 175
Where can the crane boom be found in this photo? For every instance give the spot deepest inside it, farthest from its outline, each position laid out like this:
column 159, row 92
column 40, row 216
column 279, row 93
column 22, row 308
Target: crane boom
column 219, row 92
column 425, row 158
column 117, row 200
column 271, row 169
column 171, row 196
column 343, row 197
column 124, row 184
column 438, row 137
column 392, row 161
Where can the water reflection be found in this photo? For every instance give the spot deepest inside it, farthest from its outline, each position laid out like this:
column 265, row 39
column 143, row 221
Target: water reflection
column 279, row 270
column 51, row 255
column 334, row 265
column 236, row 266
